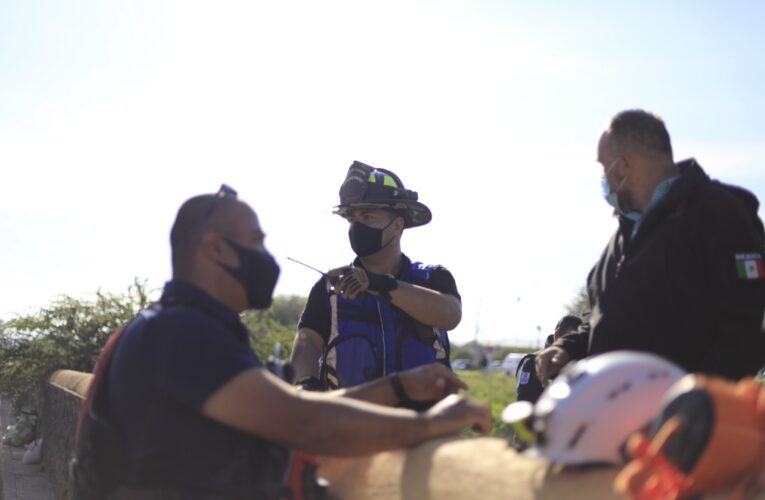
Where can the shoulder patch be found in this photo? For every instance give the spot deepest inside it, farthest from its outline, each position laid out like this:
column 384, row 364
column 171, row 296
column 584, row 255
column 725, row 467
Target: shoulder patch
column 524, row 378
column 749, row 266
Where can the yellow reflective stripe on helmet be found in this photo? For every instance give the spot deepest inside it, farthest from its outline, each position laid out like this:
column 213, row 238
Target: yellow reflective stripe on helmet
column 387, row 179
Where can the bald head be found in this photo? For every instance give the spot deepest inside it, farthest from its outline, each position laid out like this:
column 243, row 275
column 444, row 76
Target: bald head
column 636, row 155
column 638, row 131
column 199, row 215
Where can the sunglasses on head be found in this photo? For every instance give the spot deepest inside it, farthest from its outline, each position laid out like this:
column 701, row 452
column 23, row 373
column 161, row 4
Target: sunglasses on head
column 224, row 192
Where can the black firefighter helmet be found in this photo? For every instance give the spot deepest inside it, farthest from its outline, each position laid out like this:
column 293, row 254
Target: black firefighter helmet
column 369, row 187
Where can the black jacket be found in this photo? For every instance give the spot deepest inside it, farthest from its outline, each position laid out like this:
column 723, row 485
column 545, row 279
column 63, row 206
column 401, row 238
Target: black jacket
column 527, row 385
column 675, row 289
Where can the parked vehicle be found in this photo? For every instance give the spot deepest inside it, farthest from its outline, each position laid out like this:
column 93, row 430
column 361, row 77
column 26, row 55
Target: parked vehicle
column 510, row 363
column 495, row 366
column 463, row 364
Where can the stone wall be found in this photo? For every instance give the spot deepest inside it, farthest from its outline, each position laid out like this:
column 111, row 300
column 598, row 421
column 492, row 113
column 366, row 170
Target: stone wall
column 62, row 398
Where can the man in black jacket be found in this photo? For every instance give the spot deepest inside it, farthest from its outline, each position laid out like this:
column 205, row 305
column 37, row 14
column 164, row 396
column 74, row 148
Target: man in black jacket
column 683, row 275
column 528, row 387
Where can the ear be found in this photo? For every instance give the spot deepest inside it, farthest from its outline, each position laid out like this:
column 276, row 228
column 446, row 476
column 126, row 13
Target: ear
column 215, row 248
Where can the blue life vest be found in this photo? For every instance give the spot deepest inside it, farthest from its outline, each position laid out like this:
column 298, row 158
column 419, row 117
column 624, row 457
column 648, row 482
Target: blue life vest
column 370, row 337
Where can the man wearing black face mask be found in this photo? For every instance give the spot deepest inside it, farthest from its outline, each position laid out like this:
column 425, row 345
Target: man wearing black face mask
column 384, row 313
column 197, row 414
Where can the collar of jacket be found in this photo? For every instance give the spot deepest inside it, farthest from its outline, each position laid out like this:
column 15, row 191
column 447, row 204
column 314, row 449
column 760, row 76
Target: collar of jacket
column 183, row 293
column 691, row 177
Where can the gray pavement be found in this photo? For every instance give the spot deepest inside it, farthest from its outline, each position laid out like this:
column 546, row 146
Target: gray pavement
column 19, row 481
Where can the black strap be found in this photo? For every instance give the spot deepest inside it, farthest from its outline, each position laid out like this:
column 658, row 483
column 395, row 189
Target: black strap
column 398, row 389
column 310, row 383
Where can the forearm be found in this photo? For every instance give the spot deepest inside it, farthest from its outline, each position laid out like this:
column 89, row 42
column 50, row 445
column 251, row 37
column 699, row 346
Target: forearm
column 306, row 351
column 259, row 403
column 428, row 306
column 379, row 391
column 346, row 427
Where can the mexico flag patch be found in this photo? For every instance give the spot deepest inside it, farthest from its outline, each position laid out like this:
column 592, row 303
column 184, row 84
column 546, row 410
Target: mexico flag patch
column 749, row 266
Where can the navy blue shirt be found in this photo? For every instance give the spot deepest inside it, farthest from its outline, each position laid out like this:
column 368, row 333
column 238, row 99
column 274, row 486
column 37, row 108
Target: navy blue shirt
column 169, row 361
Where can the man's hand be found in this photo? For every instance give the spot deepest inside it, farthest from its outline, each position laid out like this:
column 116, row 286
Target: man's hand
column 356, row 281
column 549, row 361
column 455, row 413
column 430, row 382
column 335, row 275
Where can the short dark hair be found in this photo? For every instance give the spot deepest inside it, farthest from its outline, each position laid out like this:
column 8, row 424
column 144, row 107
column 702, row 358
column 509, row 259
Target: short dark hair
column 569, row 322
column 196, row 215
column 188, row 228
column 636, row 127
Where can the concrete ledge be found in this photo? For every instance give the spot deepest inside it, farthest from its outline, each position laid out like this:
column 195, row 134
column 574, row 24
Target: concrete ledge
column 62, row 398
column 72, row 381
column 460, row 468
column 454, row 468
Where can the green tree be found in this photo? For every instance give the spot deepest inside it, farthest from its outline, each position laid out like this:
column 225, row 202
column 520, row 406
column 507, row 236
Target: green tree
column 69, row 333
column 580, row 304
column 501, row 352
column 276, row 324
column 286, row 309
column 460, row 351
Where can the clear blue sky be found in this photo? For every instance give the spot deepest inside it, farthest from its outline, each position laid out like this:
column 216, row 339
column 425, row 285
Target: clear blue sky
column 113, row 113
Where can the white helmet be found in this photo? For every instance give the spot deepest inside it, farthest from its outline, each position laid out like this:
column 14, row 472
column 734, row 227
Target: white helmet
column 594, row 405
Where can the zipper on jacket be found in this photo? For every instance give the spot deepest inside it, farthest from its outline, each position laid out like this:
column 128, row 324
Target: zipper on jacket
column 619, row 266
column 382, row 330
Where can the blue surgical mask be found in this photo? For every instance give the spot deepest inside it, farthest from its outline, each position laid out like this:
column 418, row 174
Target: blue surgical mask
column 613, row 199
column 611, row 195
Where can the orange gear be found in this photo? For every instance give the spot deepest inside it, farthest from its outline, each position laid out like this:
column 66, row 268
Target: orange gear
column 709, row 436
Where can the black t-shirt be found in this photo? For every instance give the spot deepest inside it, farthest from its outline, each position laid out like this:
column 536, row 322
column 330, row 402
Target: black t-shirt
column 316, row 314
column 166, row 365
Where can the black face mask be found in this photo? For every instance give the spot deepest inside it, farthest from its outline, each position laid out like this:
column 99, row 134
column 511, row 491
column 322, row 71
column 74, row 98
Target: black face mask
column 366, row 240
column 257, row 273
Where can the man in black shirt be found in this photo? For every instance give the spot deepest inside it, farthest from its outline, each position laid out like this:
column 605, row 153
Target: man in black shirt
column 683, row 275
column 199, row 415
column 384, row 313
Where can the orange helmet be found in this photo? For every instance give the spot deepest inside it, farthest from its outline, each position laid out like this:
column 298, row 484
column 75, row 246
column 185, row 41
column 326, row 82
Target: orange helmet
column 710, row 435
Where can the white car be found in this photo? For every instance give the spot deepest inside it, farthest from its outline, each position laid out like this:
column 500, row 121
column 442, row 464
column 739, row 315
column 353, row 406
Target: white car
column 510, row 363
column 463, row 364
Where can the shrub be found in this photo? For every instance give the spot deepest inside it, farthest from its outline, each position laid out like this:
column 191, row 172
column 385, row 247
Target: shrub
column 276, row 324
column 69, row 333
